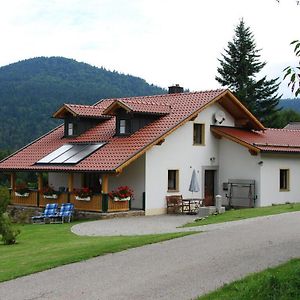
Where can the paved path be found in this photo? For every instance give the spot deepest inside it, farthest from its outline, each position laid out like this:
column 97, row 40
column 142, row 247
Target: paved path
column 177, row 269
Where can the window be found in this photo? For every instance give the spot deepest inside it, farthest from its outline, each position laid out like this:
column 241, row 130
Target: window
column 70, row 129
column 199, row 134
column 122, row 128
column 284, row 180
column 173, row 180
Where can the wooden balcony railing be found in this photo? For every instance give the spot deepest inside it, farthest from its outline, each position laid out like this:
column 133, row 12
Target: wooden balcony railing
column 30, row 200
column 94, row 204
column 97, row 202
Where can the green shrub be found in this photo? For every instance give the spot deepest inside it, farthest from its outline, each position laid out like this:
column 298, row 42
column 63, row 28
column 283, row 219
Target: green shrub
column 4, row 199
column 7, row 231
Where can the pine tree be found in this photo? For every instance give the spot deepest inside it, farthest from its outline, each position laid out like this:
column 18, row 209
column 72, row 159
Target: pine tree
column 239, row 67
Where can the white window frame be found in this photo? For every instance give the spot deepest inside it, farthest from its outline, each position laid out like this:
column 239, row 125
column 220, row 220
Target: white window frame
column 70, row 129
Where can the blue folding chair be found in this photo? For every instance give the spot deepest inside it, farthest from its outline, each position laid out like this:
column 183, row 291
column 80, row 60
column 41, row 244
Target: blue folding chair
column 50, row 210
column 64, row 215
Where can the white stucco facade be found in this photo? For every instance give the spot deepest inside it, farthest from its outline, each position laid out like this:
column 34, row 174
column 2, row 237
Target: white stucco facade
column 270, row 170
column 178, row 153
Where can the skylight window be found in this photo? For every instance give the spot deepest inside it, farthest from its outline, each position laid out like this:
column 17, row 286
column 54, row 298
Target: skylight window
column 70, row 153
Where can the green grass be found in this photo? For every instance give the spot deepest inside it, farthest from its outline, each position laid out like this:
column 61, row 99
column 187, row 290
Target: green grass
column 42, row 247
column 245, row 213
column 280, row 283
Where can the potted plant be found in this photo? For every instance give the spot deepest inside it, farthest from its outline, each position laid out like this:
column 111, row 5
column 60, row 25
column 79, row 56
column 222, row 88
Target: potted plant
column 22, row 190
column 83, row 194
column 50, row 193
column 122, row 193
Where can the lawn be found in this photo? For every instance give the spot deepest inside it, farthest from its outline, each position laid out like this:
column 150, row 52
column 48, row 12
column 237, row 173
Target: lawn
column 280, row 283
column 245, row 213
column 42, row 247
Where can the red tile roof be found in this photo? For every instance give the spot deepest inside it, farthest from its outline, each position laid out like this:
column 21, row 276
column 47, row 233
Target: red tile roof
column 269, row 140
column 142, row 106
column 89, row 111
column 119, row 151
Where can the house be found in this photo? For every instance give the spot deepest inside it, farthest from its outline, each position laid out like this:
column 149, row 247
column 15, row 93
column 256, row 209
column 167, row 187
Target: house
column 153, row 144
column 293, row 125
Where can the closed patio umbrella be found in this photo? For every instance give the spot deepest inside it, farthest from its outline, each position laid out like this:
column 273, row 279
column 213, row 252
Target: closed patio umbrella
column 194, row 185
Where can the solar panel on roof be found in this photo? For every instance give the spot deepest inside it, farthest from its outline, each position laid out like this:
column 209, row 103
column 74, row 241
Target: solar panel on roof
column 70, row 153
column 55, row 154
column 89, row 149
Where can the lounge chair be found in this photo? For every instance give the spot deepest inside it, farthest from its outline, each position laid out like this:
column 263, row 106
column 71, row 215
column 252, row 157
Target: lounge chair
column 64, row 215
column 50, row 210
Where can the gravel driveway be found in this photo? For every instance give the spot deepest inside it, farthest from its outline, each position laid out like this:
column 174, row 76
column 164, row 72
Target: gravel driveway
column 134, row 225
column 177, row 269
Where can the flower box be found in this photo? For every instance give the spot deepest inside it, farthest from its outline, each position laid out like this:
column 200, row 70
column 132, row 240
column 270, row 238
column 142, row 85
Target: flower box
column 22, row 195
column 121, row 199
column 122, row 193
column 53, row 196
column 83, row 199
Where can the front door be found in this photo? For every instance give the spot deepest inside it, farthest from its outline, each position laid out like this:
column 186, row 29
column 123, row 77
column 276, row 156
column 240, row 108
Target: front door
column 209, row 187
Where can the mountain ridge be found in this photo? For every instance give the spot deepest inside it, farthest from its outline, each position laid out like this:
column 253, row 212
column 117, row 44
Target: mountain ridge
column 32, row 90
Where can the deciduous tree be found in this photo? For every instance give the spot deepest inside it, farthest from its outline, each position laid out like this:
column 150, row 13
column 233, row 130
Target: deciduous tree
column 293, row 73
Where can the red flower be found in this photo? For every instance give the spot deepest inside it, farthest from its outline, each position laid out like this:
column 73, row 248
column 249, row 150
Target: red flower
column 121, row 192
column 83, row 192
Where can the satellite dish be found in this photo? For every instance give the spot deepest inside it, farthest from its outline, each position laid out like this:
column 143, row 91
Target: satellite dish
column 219, row 117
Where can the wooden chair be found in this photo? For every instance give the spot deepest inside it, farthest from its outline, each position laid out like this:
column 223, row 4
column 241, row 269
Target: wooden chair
column 174, row 204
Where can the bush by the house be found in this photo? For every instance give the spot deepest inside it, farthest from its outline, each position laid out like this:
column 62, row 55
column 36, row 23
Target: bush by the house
column 7, row 232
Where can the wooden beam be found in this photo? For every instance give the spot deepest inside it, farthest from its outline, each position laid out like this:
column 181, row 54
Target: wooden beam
column 216, row 135
column 71, row 182
column 159, row 143
column 105, row 183
column 13, row 181
column 40, row 182
column 252, row 152
column 194, row 118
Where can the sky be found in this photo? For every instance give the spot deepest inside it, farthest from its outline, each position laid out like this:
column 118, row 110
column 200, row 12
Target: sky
column 165, row 42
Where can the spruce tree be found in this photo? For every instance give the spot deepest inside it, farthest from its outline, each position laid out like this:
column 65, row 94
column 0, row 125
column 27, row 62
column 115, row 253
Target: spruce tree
column 239, row 67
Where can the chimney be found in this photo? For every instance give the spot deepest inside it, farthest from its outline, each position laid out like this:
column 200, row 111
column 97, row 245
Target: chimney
column 174, row 89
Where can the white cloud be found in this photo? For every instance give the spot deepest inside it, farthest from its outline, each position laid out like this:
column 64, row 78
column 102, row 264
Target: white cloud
column 164, row 42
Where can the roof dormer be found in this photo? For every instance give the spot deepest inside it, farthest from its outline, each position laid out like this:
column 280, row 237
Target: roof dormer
column 133, row 115
column 79, row 118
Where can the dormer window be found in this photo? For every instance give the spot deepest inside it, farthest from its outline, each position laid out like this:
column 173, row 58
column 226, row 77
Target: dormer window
column 122, row 128
column 70, row 129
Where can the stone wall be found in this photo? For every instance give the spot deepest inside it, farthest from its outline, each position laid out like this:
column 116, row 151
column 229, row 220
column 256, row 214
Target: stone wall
column 22, row 214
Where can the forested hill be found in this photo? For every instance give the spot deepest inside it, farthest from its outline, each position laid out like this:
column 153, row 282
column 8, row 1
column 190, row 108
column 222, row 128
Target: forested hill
column 31, row 90
column 293, row 104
